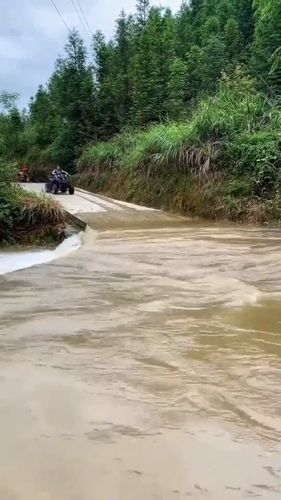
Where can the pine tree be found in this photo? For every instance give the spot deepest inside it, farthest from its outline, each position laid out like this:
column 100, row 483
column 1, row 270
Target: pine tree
column 209, row 28
column 225, row 9
column 195, row 61
column 196, row 6
column 233, row 40
column 185, row 36
column 144, row 75
column 267, row 37
column 245, row 17
column 105, row 72
column 71, row 90
column 214, row 62
column 155, row 67
column 154, row 51
column 177, row 86
column 142, row 7
column 42, row 118
column 124, row 35
column 7, row 101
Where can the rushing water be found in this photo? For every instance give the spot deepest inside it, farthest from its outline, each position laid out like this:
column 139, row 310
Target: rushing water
column 146, row 365
column 11, row 261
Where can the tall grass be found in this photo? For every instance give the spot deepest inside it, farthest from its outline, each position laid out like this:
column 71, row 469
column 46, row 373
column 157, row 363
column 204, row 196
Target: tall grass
column 236, row 107
column 109, row 155
column 97, row 156
column 35, row 209
column 233, row 137
column 27, row 217
column 172, row 147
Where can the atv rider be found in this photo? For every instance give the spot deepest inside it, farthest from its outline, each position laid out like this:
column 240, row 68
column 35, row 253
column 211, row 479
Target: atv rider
column 57, row 176
column 24, row 174
column 58, row 171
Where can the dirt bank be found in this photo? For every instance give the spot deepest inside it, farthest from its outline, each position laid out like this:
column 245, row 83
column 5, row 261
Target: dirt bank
column 187, row 195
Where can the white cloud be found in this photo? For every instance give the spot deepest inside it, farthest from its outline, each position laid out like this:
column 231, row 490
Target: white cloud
column 11, row 49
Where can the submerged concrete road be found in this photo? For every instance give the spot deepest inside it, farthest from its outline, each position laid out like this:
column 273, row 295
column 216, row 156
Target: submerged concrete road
column 145, row 365
column 104, row 213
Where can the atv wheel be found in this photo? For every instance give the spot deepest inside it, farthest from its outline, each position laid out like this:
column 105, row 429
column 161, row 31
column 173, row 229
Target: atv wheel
column 47, row 188
column 71, row 190
column 55, row 189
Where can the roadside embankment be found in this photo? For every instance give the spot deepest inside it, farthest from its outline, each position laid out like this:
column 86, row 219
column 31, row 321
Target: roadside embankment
column 223, row 162
column 27, row 218
column 104, row 214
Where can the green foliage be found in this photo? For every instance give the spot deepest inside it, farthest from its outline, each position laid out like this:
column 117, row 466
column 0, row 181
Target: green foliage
column 245, row 18
column 177, row 88
column 235, row 107
column 142, row 10
column 239, row 187
column 25, row 216
column 267, row 43
column 7, row 101
column 257, row 155
column 233, row 134
column 233, row 40
column 61, row 115
column 275, row 72
column 99, row 156
column 105, row 72
column 195, row 61
column 184, row 35
column 38, row 210
column 154, row 50
column 165, row 97
column 7, row 202
column 215, row 62
column 158, row 146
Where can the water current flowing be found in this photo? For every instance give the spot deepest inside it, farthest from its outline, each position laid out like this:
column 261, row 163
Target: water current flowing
column 11, row 261
column 146, row 364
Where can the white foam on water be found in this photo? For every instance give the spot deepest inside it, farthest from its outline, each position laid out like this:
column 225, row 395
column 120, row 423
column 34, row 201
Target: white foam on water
column 14, row 261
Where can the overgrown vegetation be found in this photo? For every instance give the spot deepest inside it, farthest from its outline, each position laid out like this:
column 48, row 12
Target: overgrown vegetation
column 25, row 217
column 178, row 110
column 224, row 162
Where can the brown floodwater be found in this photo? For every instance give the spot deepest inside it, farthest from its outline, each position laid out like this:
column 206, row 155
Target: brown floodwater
column 146, row 365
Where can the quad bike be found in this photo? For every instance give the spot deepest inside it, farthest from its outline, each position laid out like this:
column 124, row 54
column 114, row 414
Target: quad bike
column 59, row 182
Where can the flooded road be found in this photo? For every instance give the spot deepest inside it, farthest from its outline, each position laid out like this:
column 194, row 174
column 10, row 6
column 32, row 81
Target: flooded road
column 146, row 365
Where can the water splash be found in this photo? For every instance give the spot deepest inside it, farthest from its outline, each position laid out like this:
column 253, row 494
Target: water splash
column 14, row 261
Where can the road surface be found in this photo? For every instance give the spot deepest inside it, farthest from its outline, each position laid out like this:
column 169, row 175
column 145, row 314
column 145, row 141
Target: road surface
column 104, row 213
column 145, row 365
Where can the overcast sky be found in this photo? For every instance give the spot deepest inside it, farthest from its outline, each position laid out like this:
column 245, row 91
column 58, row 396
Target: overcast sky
column 32, row 35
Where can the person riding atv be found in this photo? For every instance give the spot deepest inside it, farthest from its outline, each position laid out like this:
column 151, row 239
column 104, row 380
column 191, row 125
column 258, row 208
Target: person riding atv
column 57, row 171
column 59, row 181
column 23, row 174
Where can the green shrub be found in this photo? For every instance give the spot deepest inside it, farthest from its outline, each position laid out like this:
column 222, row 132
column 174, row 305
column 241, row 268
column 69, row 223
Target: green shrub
column 236, row 107
column 231, row 140
column 169, row 148
column 7, row 199
column 25, row 215
column 239, row 187
column 100, row 155
column 258, row 156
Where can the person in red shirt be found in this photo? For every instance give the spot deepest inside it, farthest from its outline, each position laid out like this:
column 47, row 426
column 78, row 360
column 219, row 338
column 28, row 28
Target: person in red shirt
column 24, row 175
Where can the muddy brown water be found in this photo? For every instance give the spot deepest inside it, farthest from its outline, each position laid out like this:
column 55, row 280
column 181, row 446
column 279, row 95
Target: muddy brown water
column 147, row 365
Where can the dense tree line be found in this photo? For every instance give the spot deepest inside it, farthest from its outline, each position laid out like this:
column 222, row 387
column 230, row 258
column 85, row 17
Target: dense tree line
column 155, row 68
